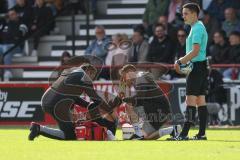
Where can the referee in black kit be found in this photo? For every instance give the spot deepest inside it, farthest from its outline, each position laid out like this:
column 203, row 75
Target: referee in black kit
column 196, row 84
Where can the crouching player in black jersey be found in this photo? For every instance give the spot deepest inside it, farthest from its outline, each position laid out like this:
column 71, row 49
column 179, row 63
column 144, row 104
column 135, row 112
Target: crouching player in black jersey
column 148, row 103
column 60, row 97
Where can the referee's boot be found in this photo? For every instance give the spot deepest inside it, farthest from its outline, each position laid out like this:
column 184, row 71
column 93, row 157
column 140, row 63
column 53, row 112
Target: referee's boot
column 199, row 137
column 34, row 131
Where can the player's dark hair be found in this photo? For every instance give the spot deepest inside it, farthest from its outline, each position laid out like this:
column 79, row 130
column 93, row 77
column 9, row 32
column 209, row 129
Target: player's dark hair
column 127, row 68
column 193, row 7
column 87, row 66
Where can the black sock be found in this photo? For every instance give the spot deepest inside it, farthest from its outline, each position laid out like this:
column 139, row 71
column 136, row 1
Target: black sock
column 202, row 116
column 190, row 120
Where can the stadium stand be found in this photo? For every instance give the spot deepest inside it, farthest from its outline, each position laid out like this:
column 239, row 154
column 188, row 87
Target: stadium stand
column 51, row 46
column 117, row 16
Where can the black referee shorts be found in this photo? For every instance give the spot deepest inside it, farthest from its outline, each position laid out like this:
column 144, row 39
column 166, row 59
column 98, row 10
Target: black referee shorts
column 197, row 82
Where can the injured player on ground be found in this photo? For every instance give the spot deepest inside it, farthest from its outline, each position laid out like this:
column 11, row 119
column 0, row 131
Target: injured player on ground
column 148, row 103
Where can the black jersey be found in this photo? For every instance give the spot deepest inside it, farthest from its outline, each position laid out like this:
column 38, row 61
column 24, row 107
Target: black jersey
column 75, row 81
column 148, row 94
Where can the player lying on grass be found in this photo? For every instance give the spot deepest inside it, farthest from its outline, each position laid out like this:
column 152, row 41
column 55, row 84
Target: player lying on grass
column 60, row 97
column 148, row 103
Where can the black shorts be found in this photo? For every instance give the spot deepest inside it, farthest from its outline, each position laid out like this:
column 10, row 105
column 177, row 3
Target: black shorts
column 197, row 82
column 155, row 113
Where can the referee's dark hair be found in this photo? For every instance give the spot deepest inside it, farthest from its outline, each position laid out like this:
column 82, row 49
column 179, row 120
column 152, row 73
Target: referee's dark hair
column 193, row 7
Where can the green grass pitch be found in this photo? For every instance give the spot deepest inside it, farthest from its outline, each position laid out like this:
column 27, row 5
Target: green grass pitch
column 223, row 144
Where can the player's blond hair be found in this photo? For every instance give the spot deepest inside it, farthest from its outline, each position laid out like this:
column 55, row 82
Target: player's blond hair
column 127, row 68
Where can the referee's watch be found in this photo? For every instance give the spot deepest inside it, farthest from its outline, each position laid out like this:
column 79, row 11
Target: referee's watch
column 179, row 62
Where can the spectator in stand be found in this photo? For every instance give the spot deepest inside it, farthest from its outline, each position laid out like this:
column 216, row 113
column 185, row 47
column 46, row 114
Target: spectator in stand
column 161, row 49
column 42, row 23
column 79, row 5
column 216, row 93
column 218, row 50
column 138, row 52
column 98, row 46
column 3, row 6
column 2, row 24
column 55, row 5
column 11, row 34
column 211, row 25
column 181, row 43
column 171, row 31
column 231, row 23
column 233, row 55
column 117, row 54
column 154, row 9
column 234, row 52
column 63, row 62
column 217, row 8
column 180, row 50
column 174, row 8
column 31, row 2
column 65, row 57
column 11, row 3
column 25, row 11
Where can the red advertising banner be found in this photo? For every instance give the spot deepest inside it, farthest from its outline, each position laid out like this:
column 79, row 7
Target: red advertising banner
column 20, row 103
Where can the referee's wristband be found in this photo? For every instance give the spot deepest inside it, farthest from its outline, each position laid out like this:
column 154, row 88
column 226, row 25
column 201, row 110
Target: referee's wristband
column 179, row 62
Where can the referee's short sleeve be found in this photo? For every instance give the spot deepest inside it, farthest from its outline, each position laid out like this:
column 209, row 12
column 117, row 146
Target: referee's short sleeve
column 197, row 35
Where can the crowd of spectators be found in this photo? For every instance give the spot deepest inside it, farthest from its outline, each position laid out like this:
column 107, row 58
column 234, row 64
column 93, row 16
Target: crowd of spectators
column 159, row 39
column 20, row 19
column 162, row 35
